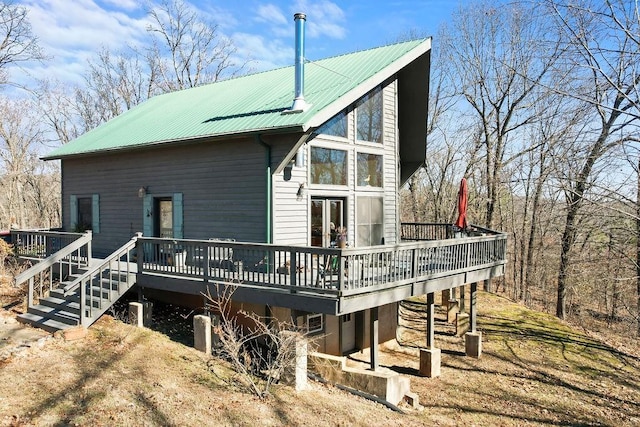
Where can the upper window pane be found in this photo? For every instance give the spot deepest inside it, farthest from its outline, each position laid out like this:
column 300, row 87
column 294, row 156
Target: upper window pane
column 336, row 126
column 369, row 170
column 369, row 114
column 328, row 166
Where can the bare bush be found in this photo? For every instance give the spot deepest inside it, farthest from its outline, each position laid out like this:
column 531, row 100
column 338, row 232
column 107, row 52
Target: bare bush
column 261, row 350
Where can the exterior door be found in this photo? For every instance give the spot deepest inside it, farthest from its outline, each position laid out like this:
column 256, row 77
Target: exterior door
column 326, row 215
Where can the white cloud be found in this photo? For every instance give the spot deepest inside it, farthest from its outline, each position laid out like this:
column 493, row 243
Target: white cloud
column 324, row 19
column 271, row 14
column 70, row 34
column 124, row 4
column 262, row 55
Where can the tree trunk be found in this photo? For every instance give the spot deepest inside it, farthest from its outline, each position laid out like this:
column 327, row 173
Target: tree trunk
column 568, row 238
column 638, row 250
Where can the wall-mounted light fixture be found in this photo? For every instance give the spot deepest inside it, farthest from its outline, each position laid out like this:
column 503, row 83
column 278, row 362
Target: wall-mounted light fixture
column 143, row 191
column 301, row 191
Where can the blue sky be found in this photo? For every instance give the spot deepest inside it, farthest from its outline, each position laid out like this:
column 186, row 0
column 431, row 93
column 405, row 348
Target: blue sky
column 72, row 32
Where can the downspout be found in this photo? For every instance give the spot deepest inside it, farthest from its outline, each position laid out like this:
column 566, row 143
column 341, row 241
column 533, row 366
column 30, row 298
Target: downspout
column 269, row 188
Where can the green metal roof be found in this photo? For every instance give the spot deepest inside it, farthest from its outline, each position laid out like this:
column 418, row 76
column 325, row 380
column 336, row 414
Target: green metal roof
column 248, row 104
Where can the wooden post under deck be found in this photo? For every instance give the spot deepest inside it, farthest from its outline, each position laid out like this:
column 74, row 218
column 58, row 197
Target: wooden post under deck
column 373, row 338
column 430, row 320
column 472, row 306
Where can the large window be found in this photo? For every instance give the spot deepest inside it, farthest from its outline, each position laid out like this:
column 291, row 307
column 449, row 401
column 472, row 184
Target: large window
column 336, row 126
column 328, row 166
column 370, row 221
column 369, row 114
column 369, row 170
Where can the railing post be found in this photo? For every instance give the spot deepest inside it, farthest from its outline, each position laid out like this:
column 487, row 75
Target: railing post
column 341, row 272
column 139, row 252
column 89, row 252
column 206, row 262
column 30, row 296
column 293, row 267
column 83, row 303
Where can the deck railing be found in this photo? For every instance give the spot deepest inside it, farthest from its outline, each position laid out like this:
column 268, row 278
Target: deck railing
column 319, row 270
column 420, row 231
column 43, row 276
column 432, row 252
column 425, row 231
column 40, row 244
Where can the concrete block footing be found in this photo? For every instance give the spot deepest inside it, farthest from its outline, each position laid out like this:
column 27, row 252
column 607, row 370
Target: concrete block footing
column 296, row 373
column 473, row 344
column 384, row 383
column 140, row 313
column 135, row 314
column 202, row 333
column 430, row 360
column 412, row 399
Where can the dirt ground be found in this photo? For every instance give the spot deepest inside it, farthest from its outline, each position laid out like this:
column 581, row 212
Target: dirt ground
column 534, row 370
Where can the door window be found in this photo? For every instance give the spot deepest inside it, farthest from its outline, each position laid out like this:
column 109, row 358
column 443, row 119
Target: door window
column 326, row 216
column 164, row 225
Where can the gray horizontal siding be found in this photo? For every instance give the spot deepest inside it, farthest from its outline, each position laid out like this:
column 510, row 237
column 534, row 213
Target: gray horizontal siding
column 223, row 186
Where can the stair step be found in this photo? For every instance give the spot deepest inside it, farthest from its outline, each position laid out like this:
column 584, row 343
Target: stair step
column 44, row 323
column 55, row 314
column 59, row 293
column 64, row 304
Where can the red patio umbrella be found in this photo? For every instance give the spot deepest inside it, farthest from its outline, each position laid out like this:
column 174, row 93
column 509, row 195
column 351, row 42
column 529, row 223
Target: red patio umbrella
column 463, row 198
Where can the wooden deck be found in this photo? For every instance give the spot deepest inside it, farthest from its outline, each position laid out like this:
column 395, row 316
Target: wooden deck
column 322, row 280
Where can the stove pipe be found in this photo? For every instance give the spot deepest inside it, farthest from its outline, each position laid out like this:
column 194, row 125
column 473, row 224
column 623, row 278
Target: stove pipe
column 299, row 104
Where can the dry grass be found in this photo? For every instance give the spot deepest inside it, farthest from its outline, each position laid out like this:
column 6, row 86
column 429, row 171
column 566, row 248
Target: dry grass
column 534, row 370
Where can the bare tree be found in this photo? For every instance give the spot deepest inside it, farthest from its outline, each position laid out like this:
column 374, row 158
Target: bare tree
column 601, row 38
column 17, row 42
column 19, row 135
column 494, row 56
column 187, row 51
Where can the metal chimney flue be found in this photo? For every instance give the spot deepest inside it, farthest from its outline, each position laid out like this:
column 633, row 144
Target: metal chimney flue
column 299, row 103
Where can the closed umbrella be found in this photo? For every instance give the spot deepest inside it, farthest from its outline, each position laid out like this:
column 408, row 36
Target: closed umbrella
column 463, row 198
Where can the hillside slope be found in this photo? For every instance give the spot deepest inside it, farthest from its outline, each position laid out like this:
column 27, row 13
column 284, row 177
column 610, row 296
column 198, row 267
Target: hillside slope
column 534, row 370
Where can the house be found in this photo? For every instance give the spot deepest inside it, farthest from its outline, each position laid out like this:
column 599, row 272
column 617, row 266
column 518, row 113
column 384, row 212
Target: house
column 250, row 181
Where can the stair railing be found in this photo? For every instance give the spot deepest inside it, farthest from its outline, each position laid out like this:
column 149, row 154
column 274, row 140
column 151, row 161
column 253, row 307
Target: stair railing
column 75, row 255
column 93, row 302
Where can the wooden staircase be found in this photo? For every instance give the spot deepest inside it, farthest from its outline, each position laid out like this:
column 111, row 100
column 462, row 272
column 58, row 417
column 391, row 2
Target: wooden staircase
column 85, row 294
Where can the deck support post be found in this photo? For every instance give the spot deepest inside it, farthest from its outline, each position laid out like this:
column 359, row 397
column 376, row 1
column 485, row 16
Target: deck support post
column 373, row 338
column 473, row 295
column 445, row 297
column 430, row 320
column 473, row 338
column 462, row 296
column 430, row 358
